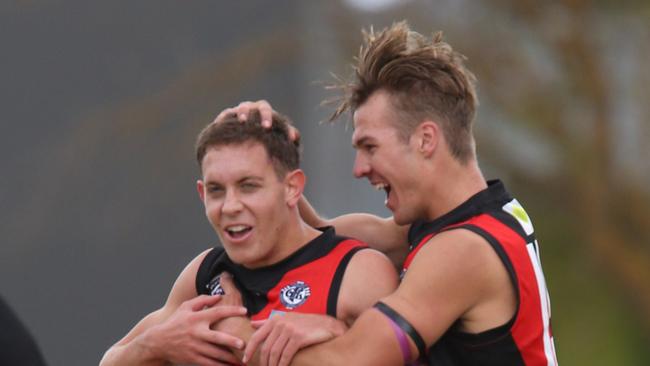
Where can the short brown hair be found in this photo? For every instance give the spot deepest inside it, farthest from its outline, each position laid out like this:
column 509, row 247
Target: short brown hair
column 283, row 152
column 425, row 78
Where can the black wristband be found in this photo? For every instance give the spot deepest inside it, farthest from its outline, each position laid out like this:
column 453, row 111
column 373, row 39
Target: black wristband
column 406, row 327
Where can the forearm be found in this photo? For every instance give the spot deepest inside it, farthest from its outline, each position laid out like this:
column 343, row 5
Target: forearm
column 380, row 233
column 370, row 341
column 135, row 353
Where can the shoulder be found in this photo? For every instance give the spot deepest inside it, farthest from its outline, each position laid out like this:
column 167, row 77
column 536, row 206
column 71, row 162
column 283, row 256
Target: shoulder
column 185, row 286
column 370, row 276
column 455, row 258
column 455, row 272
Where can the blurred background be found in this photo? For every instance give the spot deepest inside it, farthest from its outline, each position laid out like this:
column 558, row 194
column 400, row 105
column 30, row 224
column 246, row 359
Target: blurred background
column 101, row 103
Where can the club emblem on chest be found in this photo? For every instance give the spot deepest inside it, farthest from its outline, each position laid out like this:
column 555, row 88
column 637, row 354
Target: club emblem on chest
column 294, row 295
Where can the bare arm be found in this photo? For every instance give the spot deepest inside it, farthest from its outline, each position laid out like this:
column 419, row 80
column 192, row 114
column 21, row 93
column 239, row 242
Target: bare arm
column 368, row 277
column 179, row 331
column 380, row 233
column 456, row 276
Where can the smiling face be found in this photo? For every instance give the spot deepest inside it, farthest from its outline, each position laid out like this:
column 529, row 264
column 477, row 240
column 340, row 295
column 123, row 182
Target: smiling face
column 246, row 202
column 386, row 160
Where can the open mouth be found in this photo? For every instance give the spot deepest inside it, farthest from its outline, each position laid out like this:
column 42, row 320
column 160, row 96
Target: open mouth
column 385, row 187
column 238, row 231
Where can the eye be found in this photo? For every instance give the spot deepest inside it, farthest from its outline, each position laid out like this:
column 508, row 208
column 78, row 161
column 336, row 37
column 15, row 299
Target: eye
column 369, row 148
column 249, row 186
column 214, row 189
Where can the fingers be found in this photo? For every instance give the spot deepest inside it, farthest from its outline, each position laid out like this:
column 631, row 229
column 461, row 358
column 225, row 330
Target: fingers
column 256, row 339
column 216, row 313
column 294, row 134
column 202, row 301
column 223, row 339
column 266, row 112
column 288, row 353
column 258, row 323
column 265, row 109
column 274, row 337
column 243, row 109
column 277, row 349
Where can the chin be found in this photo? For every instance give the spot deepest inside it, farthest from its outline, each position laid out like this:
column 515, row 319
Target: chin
column 404, row 218
column 399, row 219
column 237, row 255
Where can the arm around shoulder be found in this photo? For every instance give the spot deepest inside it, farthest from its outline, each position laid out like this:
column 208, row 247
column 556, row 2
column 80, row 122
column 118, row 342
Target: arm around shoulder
column 380, row 233
column 444, row 282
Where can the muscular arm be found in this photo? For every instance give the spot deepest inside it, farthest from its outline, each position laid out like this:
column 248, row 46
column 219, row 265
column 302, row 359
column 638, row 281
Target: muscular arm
column 368, row 277
column 380, row 233
column 157, row 336
column 456, row 276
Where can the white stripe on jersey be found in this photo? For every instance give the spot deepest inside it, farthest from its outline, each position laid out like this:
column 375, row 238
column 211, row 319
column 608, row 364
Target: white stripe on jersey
column 549, row 347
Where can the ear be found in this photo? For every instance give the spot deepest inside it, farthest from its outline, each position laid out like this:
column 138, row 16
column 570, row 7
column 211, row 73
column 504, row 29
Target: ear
column 427, row 136
column 200, row 187
column 294, row 185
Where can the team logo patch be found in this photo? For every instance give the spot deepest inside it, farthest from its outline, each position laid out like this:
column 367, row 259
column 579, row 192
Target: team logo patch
column 215, row 286
column 294, row 295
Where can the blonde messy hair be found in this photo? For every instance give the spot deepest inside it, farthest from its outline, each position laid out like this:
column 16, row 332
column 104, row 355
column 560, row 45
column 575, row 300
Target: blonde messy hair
column 427, row 80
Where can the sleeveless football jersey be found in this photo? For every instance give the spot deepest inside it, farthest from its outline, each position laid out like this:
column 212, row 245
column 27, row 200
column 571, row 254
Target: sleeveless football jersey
column 524, row 340
column 308, row 281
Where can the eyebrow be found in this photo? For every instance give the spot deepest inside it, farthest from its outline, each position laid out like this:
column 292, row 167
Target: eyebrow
column 250, row 177
column 361, row 141
column 240, row 180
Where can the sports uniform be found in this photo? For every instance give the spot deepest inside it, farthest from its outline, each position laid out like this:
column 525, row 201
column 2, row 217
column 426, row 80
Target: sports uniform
column 17, row 347
column 524, row 340
column 308, row 281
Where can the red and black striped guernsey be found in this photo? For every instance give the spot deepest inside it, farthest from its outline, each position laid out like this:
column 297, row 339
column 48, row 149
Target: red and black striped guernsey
column 524, row 340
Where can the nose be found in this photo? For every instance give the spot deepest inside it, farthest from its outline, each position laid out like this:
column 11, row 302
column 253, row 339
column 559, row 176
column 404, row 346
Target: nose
column 361, row 166
column 231, row 203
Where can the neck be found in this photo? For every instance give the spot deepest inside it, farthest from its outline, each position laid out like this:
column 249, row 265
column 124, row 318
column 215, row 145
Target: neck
column 292, row 235
column 451, row 184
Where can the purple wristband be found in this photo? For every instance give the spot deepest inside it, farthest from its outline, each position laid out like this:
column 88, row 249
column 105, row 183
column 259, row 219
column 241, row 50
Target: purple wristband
column 403, row 342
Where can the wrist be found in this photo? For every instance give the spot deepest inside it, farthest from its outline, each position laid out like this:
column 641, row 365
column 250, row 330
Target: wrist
column 337, row 327
column 148, row 347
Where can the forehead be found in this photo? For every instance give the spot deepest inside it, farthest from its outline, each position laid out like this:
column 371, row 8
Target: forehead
column 234, row 161
column 374, row 119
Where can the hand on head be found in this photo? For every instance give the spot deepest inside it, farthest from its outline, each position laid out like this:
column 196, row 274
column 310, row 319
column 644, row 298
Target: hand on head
column 243, row 109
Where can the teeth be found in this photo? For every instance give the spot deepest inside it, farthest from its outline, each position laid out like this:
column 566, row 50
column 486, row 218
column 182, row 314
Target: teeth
column 237, row 228
column 380, row 186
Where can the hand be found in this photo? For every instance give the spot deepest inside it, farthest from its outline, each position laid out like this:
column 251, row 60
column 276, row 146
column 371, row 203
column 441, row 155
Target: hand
column 243, row 109
column 283, row 335
column 186, row 338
